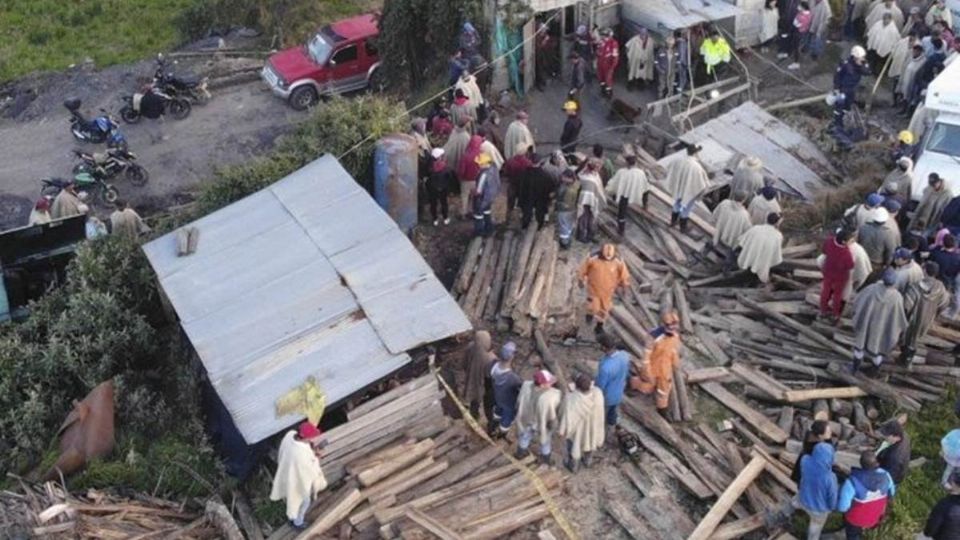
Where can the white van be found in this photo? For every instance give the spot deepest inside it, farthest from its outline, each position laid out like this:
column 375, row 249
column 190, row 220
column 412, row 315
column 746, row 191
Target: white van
column 940, row 146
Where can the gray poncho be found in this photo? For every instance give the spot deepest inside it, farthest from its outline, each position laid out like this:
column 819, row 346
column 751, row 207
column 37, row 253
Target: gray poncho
column 923, row 301
column 878, row 318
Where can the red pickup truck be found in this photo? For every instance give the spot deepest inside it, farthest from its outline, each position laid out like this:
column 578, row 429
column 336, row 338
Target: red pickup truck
column 341, row 57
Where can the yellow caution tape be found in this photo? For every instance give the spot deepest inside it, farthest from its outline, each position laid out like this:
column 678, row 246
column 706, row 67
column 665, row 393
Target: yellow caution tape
column 531, row 476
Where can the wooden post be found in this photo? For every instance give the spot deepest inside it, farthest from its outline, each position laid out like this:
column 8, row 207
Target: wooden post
column 709, row 523
column 844, row 392
column 348, row 498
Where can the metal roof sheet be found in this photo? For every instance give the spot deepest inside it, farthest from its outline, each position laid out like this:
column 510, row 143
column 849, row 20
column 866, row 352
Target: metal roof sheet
column 306, row 277
column 657, row 14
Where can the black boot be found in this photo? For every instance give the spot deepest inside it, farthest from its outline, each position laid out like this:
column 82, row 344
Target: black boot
column 857, row 362
column 545, row 460
column 598, row 329
column 684, row 222
column 521, row 453
column 621, row 227
column 674, row 217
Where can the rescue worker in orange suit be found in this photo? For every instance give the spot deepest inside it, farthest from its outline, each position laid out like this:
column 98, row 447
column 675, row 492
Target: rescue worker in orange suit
column 602, row 274
column 608, row 57
column 661, row 357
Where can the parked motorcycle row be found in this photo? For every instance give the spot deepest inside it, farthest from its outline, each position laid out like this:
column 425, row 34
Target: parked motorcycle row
column 166, row 93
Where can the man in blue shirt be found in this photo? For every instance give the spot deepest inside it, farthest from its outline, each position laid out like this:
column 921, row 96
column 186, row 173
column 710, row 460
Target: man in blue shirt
column 612, row 376
column 817, row 494
column 845, row 82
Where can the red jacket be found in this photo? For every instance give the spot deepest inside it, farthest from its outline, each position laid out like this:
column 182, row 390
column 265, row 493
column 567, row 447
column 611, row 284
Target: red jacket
column 467, row 168
column 515, row 167
column 838, row 261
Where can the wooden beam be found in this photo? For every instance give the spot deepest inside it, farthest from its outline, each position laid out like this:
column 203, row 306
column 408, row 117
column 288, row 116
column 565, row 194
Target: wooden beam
column 749, row 414
column 843, row 392
column 348, row 499
column 634, row 527
column 435, row 527
column 709, row 523
column 738, row 528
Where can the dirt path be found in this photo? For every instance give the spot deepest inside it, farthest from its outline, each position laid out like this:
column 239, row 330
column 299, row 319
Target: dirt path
column 239, row 123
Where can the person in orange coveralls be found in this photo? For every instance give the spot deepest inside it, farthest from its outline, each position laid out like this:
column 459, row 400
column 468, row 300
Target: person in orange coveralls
column 661, row 357
column 608, row 56
column 602, row 274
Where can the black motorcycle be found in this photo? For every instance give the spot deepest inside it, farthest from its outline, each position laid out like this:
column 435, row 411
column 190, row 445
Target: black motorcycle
column 155, row 103
column 84, row 182
column 111, row 164
column 97, row 130
column 187, row 86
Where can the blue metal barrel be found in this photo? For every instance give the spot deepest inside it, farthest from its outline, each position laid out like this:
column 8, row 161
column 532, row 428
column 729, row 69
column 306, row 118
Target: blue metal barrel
column 395, row 178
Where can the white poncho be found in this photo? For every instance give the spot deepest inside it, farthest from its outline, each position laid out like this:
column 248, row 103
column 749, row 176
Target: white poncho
column 582, row 421
column 882, row 38
column 470, row 89
column 760, row 208
column 909, row 73
column 878, row 318
column 686, row 179
column 456, row 144
column 876, row 14
column 538, row 408
column 762, row 249
column 631, row 183
column 821, row 12
column 747, row 179
column 517, row 132
column 731, row 220
column 640, row 58
column 899, row 57
column 299, row 476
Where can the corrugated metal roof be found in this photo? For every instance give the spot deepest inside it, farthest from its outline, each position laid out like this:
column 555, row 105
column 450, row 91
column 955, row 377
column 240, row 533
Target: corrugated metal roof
column 676, row 14
column 306, row 277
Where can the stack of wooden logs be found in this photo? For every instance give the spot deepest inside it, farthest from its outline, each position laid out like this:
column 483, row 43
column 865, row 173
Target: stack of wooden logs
column 519, row 281
column 47, row 511
column 428, row 479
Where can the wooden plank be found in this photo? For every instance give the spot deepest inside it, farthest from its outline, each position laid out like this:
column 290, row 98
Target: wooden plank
column 348, row 498
column 634, row 527
column 701, row 375
column 435, row 527
column 709, row 523
column 844, row 392
column 492, row 306
column 664, row 515
column 794, row 325
column 387, row 397
column 462, row 282
column 382, row 470
column 874, row 387
column 459, row 471
column 750, row 415
column 738, row 528
column 683, row 307
column 685, row 476
column 760, row 380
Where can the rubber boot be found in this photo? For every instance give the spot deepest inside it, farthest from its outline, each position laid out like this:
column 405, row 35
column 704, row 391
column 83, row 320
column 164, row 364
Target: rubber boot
column 487, row 225
column 587, row 459
column 521, row 453
column 684, row 222
column 571, row 465
column 674, row 217
column 621, row 227
column 857, row 362
column 545, row 459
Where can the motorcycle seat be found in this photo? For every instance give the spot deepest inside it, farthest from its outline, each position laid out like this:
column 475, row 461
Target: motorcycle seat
column 188, row 81
column 101, row 157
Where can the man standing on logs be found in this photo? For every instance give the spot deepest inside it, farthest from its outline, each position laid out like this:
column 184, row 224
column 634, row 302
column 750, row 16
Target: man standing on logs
column 818, row 490
column 602, row 275
column 906, row 270
column 568, row 194
column 763, row 205
column 535, row 193
column 747, row 179
column 879, row 238
column 514, row 173
column 865, row 495
column 477, row 388
column 923, row 301
column 686, row 180
column 299, row 477
column 761, row 248
column 538, row 412
column 487, row 189
column 612, row 377
column 506, row 387
column 656, row 373
column 836, row 268
column 878, row 321
column 581, row 422
column 629, row 185
column 731, row 219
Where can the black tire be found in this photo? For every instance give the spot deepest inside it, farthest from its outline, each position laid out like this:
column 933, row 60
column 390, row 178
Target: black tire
column 137, row 175
column 303, row 97
column 179, row 108
column 129, row 115
column 377, row 83
column 109, row 194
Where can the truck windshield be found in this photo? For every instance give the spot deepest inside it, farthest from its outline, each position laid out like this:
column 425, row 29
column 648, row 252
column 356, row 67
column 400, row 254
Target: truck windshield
column 945, row 139
column 319, row 49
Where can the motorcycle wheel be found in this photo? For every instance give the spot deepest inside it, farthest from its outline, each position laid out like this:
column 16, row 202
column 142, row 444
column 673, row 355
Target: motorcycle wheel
column 137, row 175
column 129, row 115
column 109, row 194
column 179, row 108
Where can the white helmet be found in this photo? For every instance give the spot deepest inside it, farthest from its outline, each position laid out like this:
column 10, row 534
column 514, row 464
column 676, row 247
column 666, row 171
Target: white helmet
column 858, row 52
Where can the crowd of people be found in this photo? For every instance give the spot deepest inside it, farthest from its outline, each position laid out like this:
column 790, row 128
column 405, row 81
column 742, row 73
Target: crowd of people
column 69, row 202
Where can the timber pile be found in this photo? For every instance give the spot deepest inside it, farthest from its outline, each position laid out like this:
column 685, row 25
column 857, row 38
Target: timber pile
column 48, row 511
column 419, row 477
column 519, row 281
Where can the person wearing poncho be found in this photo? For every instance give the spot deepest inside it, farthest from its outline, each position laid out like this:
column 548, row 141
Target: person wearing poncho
column 879, row 238
column 590, row 202
column 763, row 205
column 761, row 248
column 640, row 58
column 906, row 271
column 935, row 198
column 923, row 301
column 899, row 180
column 882, row 37
column 66, row 203
column 731, row 220
column 878, row 10
column 911, row 67
column 582, row 422
column 299, row 477
column 602, row 274
column 628, row 185
column 457, row 144
column 479, row 359
column 747, row 179
column 468, row 83
column 517, row 134
column 538, row 407
column 686, row 180
column 939, row 12
column 899, row 58
column 821, row 13
column 878, row 321
column 463, row 110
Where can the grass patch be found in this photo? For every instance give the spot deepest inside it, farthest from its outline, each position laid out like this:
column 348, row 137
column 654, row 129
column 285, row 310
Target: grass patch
column 51, row 35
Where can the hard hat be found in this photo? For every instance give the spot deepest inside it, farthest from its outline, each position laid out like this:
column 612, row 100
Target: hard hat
column 483, row 159
column 570, row 106
column 858, row 52
column 905, row 136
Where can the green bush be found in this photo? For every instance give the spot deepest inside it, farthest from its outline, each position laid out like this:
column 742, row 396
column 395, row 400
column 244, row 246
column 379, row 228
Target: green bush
column 346, row 128
column 200, row 17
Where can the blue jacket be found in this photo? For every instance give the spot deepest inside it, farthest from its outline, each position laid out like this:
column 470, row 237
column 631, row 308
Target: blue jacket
column 818, row 483
column 861, row 483
column 847, row 77
column 612, row 377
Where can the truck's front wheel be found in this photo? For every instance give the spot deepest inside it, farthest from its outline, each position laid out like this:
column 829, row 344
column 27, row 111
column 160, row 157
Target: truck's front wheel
column 303, row 98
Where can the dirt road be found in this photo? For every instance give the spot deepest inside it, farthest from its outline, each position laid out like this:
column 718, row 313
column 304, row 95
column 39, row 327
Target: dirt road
column 240, row 122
